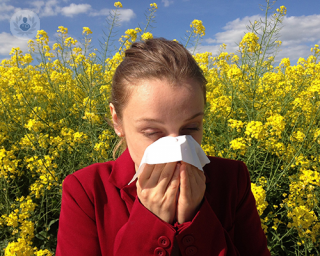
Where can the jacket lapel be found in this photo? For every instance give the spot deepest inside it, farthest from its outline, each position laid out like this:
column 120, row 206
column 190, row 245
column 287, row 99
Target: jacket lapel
column 122, row 172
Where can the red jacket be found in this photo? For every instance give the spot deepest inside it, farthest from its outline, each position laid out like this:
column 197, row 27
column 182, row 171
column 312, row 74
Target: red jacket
column 101, row 215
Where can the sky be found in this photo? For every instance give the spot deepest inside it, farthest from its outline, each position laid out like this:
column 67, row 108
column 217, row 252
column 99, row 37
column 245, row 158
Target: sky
column 225, row 21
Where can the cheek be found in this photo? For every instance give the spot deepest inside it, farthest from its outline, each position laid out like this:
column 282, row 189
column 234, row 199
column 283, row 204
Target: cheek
column 198, row 136
column 199, row 139
column 136, row 148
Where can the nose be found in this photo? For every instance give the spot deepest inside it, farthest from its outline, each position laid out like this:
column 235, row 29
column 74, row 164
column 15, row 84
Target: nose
column 174, row 134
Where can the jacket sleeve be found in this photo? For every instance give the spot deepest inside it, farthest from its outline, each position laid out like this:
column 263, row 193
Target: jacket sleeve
column 77, row 234
column 205, row 235
column 144, row 234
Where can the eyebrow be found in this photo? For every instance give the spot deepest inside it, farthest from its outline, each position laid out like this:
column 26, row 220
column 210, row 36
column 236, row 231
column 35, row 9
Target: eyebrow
column 159, row 121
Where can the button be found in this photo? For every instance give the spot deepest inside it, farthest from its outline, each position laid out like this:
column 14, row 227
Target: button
column 188, row 240
column 159, row 251
column 191, row 250
column 164, row 241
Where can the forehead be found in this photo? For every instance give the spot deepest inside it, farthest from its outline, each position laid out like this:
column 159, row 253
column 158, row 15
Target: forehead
column 160, row 91
column 160, row 98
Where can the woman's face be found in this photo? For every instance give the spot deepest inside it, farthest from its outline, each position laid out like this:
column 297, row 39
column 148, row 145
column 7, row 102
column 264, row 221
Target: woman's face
column 155, row 109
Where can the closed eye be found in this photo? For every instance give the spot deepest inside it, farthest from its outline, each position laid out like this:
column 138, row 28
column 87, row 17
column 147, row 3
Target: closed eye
column 150, row 134
column 194, row 129
column 157, row 133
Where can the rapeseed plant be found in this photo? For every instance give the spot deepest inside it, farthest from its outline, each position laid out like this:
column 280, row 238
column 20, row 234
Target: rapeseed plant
column 54, row 121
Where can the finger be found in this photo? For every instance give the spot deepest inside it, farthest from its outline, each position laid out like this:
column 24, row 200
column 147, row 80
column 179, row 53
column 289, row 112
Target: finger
column 146, row 172
column 200, row 177
column 166, row 176
column 197, row 181
column 196, row 176
column 185, row 185
column 174, row 183
column 155, row 175
column 192, row 171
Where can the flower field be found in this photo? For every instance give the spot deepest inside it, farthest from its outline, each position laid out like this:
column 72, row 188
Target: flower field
column 54, row 121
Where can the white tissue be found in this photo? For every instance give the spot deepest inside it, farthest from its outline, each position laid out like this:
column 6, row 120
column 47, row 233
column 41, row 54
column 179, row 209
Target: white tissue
column 173, row 149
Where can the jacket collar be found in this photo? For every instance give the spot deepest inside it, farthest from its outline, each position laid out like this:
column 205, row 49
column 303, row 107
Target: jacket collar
column 123, row 170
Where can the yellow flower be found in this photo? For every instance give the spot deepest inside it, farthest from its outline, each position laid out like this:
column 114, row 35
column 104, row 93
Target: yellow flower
column 70, row 41
column 236, row 124
column 316, row 49
column 62, row 30
column 118, row 4
column 249, row 42
column 239, row 144
column 278, row 42
column 285, row 62
column 154, row 6
column 223, row 46
column 282, row 10
column 146, row 36
column 260, row 196
column 86, row 30
column 43, row 253
column 198, row 27
column 255, row 129
column 298, row 136
column 235, row 58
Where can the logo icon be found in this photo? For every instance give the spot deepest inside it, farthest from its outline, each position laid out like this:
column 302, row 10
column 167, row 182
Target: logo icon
column 24, row 24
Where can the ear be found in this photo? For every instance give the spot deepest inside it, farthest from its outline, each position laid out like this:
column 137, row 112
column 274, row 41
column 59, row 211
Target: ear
column 116, row 122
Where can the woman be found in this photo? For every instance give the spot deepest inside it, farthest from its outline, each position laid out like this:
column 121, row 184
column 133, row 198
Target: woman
column 174, row 208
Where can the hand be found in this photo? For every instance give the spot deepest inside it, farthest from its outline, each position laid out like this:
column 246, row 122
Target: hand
column 192, row 189
column 157, row 188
